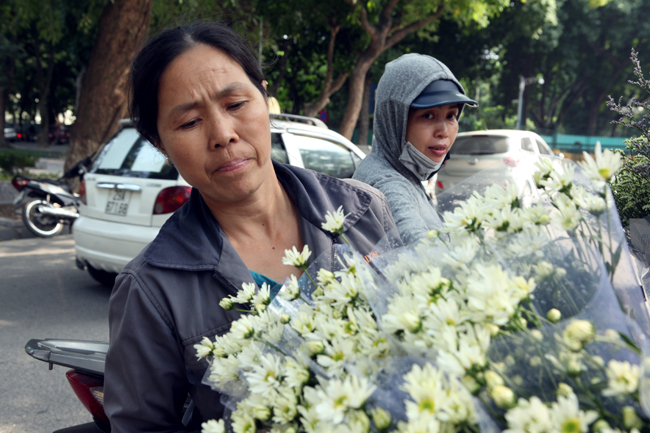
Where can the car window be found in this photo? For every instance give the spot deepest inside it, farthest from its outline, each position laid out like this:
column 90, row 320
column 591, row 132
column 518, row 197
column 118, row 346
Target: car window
column 278, row 152
column 543, row 148
column 326, row 157
column 129, row 155
column 480, row 145
column 527, row 145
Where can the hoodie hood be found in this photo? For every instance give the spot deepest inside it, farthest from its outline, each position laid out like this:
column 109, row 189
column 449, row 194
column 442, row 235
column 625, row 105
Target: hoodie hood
column 403, row 81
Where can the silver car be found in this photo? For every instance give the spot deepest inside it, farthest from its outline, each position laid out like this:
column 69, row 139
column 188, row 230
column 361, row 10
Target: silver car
column 129, row 192
column 502, row 151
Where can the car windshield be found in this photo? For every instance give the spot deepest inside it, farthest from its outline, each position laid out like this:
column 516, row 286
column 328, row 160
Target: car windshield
column 129, row 155
column 480, row 145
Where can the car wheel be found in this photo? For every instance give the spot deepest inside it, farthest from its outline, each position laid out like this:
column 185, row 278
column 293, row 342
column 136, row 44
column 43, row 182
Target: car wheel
column 105, row 278
column 38, row 223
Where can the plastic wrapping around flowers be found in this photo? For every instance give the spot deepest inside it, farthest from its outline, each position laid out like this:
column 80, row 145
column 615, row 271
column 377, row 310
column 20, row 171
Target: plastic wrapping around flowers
column 527, row 317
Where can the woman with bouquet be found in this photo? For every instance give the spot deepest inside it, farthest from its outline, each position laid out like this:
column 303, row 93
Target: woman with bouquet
column 200, row 96
column 419, row 102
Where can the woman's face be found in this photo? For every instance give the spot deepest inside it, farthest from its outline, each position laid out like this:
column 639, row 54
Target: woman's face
column 213, row 124
column 433, row 130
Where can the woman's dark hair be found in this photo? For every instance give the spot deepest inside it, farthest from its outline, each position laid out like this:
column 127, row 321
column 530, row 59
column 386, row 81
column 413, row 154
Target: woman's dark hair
column 150, row 63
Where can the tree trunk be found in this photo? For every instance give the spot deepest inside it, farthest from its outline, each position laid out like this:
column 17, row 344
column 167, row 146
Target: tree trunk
column 382, row 37
column 44, row 78
column 311, row 110
column 364, row 122
column 104, row 91
column 10, row 65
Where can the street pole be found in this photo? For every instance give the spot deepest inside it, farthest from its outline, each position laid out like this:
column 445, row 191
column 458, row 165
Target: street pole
column 520, row 101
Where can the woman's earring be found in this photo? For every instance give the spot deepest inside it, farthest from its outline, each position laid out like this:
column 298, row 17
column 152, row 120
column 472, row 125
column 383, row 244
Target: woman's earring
column 168, row 162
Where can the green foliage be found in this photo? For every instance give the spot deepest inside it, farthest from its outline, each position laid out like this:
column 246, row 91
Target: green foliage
column 12, row 161
column 631, row 187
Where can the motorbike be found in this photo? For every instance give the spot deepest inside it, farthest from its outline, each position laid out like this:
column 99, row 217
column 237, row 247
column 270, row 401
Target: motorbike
column 86, row 375
column 49, row 204
column 86, row 360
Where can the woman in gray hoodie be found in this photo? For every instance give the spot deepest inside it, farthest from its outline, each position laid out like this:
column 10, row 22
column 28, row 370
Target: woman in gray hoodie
column 418, row 104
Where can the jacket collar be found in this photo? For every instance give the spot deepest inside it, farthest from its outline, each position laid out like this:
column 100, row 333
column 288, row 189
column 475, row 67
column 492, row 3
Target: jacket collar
column 192, row 239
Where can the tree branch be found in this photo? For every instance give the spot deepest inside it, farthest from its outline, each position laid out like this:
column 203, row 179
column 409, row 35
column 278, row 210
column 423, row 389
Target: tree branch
column 369, row 28
column 417, row 25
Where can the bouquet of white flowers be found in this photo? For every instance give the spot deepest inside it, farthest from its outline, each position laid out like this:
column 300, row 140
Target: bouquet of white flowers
column 526, row 318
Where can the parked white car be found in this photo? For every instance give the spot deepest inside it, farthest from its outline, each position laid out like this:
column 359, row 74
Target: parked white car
column 129, row 192
column 502, row 149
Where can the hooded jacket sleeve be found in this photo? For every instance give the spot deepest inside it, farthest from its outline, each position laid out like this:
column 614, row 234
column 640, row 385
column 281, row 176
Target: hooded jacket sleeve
column 145, row 387
column 403, row 198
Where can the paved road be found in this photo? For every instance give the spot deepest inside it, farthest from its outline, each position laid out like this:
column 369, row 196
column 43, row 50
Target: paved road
column 43, row 295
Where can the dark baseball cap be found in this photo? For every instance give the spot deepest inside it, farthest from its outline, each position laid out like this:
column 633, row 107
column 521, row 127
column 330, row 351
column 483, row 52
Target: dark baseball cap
column 439, row 93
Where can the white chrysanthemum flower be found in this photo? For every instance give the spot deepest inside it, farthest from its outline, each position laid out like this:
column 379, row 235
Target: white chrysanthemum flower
column 204, row 349
column 285, row 406
column 336, row 397
column 559, row 182
column 404, row 314
column 462, row 254
column 325, row 277
column 578, row 333
column 291, row 289
column 242, row 422
column 622, row 378
column 224, row 345
column 603, row 167
column 340, row 294
column 336, row 354
column 256, row 406
column 469, row 352
column 488, row 298
column 262, row 297
column 295, row 374
column 543, row 269
column 224, row 370
column 246, row 293
column 425, row 424
column 529, row 416
column 567, row 416
column 444, row 312
column 592, row 203
column 242, row 328
column 298, row 259
column 544, row 167
column 303, row 323
column 427, row 388
column 266, row 377
column 213, row 426
column 537, row 214
column 334, row 221
column 568, row 218
column 467, row 216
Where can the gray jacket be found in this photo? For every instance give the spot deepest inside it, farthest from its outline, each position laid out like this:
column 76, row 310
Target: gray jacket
column 167, row 298
column 403, row 80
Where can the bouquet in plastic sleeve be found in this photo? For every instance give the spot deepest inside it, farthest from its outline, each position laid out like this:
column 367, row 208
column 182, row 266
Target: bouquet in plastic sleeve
column 520, row 317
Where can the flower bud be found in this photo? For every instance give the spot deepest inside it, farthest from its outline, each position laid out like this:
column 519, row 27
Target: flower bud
column 564, row 390
column 554, row 315
column 433, row 234
column 630, row 418
column 560, row 272
column 226, row 303
column 359, row 421
column 494, row 329
column 574, row 367
column 578, row 333
column 535, row 361
column 316, row 347
column 537, row 334
column 601, row 426
column 260, row 308
column 471, row 384
column 492, row 379
column 285, row 318
column 503, row 397
column 381, row 418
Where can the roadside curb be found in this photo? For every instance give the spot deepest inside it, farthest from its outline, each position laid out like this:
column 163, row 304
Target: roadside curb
column 13, row 229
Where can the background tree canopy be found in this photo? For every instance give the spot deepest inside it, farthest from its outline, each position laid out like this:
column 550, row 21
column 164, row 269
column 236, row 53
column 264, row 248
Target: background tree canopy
column 72, row 56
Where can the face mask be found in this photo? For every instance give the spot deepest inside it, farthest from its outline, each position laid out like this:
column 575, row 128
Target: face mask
column 421, row 166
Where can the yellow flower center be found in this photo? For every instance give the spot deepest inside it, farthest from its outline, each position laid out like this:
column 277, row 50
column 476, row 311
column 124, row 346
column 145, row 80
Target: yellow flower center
column 340, row 401
column 571, row 425
column 338, row 356
column 604, row 172
column 427, row 405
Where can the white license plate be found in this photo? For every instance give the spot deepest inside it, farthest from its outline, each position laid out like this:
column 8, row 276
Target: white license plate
column 118, row 202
